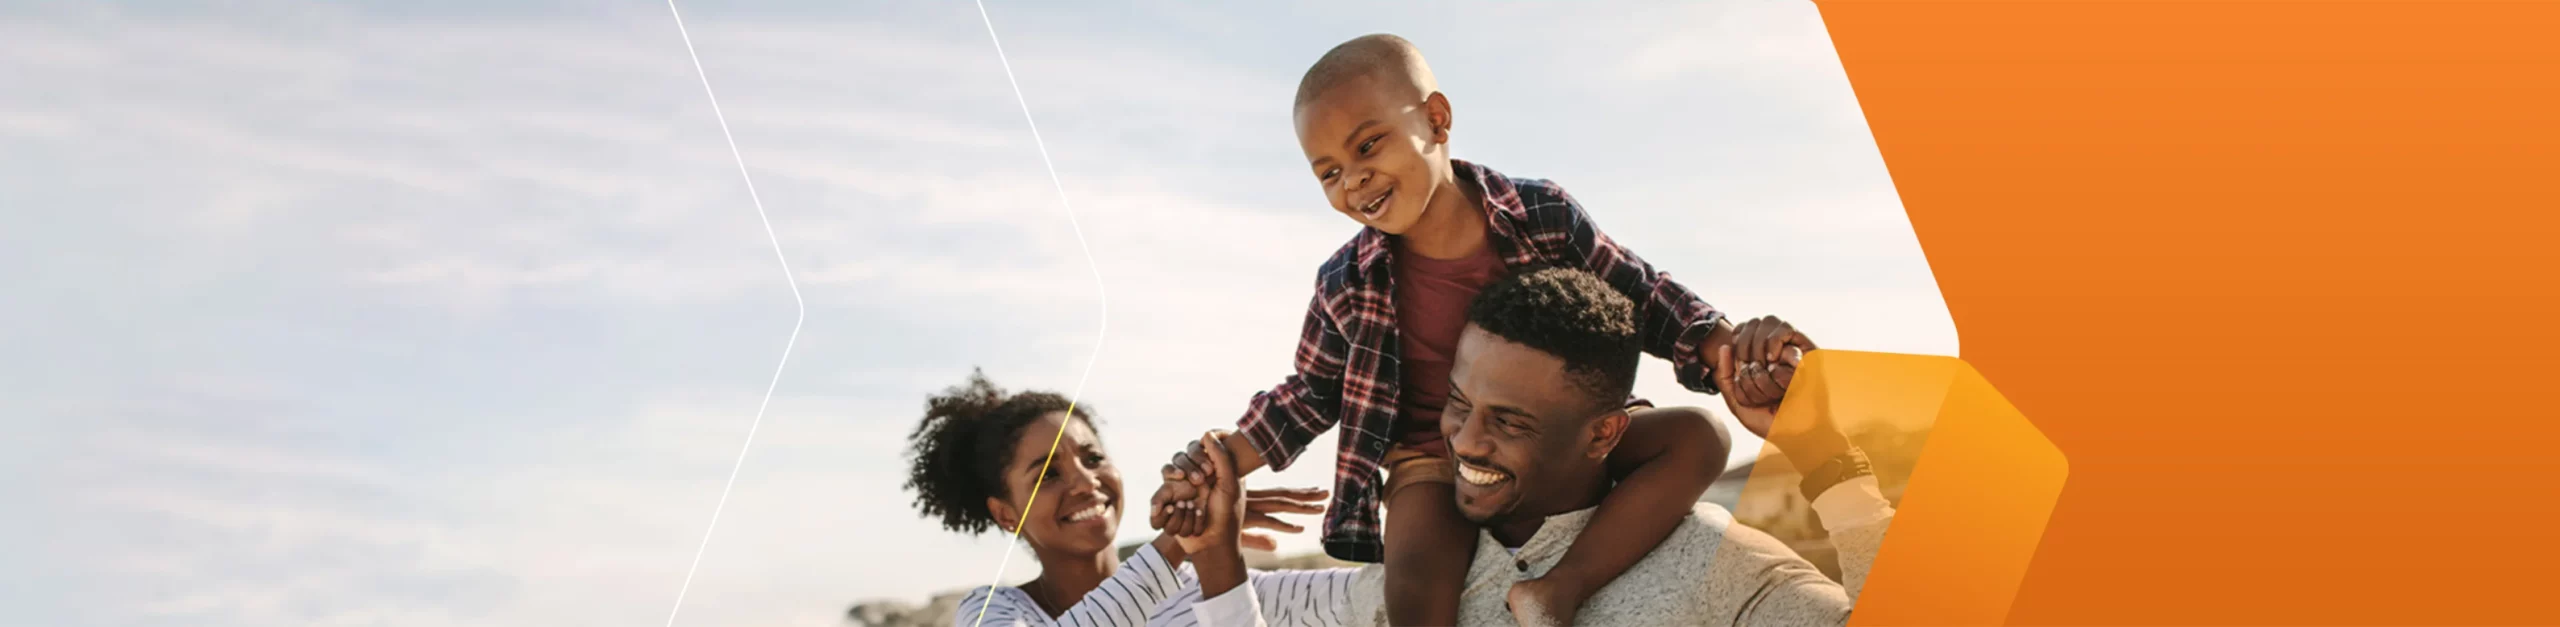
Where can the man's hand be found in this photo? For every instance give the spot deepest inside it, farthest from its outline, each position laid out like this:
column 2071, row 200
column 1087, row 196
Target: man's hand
column 1549, row 601
column 1755, row 419
column 1807, row 441
column 1765, row 353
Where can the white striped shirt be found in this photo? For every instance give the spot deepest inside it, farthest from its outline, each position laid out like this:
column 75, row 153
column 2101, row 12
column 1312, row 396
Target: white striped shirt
column 1149, row 592
column 1288, row 598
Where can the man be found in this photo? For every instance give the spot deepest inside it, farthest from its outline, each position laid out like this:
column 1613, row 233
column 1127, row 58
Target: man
column 1533, row 412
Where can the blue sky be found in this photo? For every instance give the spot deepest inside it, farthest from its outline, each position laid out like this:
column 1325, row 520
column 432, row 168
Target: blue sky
column 457, row 313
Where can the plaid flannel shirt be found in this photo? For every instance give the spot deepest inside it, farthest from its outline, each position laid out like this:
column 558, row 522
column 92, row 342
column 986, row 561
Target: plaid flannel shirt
column 1347, row 363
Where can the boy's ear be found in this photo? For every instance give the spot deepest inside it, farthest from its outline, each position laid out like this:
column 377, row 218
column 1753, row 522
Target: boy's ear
column 1437, row 107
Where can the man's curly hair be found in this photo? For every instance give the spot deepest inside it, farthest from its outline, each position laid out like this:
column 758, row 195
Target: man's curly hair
column 1572, row 315
column 957, row 455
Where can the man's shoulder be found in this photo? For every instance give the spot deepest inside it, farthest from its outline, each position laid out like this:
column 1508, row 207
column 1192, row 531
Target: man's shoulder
column 1692, row 544
column 1709, row 537
column 1744, row 544
column 1711, row 511
column 1692, row 575
column 1675, row 582
column 1706, row 527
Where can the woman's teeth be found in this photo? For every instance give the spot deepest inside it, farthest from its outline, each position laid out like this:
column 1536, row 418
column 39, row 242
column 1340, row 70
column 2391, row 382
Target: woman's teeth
column 1090, row 513
column 1480, row 476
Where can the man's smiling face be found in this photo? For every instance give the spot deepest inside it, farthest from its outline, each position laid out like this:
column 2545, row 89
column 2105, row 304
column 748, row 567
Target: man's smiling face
column 1528, row 441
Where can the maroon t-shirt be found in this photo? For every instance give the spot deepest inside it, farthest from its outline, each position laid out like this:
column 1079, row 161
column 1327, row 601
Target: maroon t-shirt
column 1431, row 311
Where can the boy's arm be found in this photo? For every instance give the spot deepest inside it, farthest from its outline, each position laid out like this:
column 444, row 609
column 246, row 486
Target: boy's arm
column 1683, row 439
column 1278, row 424
column 1666, row 461
column 1676, row 324
column 1191, row 465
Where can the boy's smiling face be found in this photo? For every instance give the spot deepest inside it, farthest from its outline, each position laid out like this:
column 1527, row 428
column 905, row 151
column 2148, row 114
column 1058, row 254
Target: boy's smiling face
column 1379, row 145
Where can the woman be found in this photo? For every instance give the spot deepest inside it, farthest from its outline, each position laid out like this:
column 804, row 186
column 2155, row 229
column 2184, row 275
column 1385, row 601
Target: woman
column 976, row 463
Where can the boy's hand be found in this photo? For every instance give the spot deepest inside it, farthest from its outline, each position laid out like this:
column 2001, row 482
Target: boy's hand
column 1179, row 507
column 1189, row 468
column 1545, row 602
column 1192, row 464
column 1229, row 509
column 1765, row 352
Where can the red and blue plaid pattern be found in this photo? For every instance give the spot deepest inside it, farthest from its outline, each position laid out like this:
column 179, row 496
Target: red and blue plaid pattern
column 1347, row 369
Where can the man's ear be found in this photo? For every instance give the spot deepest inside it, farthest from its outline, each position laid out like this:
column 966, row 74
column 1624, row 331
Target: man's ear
column 1007, row 517
column 1436, row 106
column 1605, row 432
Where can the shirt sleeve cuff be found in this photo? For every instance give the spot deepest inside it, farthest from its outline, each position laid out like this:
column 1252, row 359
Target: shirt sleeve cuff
column 1689, row 361
column 1162, row 576
column 1148, row 557
column 1238, row 607
column 1852, row 504
column 1275, row 457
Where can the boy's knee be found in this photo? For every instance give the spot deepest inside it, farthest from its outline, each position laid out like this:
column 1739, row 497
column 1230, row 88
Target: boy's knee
column 1722, row 435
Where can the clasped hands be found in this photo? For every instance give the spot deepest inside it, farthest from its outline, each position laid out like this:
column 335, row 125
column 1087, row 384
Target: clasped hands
column 1214, row 514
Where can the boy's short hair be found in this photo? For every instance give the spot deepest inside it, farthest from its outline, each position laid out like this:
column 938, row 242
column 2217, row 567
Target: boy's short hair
column 1573, row 315
column 1364, row 56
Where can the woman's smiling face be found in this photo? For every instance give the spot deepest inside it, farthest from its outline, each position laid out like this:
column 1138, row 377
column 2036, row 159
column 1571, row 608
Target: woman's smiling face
column 1074, row 504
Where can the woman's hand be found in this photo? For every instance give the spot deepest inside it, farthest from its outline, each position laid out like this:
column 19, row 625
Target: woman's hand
column 1214, row 552
column 1189, row 468
column 1175, row 507
column 1180, row 506
column 1217, row 523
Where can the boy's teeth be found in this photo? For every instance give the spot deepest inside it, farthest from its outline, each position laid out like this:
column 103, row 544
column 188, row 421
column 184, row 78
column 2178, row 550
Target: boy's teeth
column 1479, row 476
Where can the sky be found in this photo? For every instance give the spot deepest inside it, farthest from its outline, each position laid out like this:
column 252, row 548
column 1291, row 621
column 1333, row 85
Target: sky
column 459, row 313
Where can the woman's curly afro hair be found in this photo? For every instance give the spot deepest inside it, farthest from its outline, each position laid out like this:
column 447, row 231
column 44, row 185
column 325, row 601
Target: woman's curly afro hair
column 957, row 456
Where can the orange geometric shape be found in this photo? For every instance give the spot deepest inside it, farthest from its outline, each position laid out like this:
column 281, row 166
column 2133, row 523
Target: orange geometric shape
column 1975, row 491
column 2266, row 270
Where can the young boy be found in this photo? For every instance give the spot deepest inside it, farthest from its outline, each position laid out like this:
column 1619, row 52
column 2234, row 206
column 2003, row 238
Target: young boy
column 1375, row 350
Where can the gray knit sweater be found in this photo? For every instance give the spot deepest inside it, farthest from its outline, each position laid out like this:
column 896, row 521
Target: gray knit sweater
column 1711, row 571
